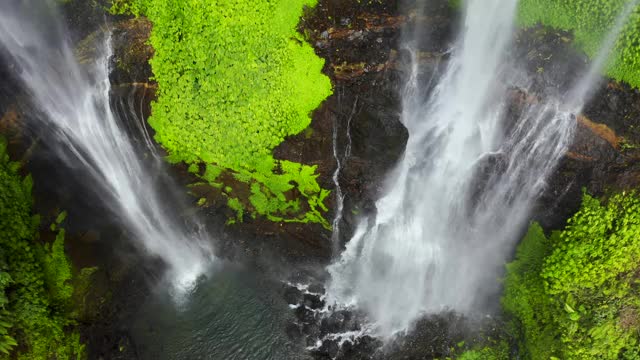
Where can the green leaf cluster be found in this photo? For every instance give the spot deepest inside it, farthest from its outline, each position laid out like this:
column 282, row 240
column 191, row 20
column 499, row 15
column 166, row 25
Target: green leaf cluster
column 499, row 352
column 34, row 288
column 235, row 78
column 590, row 21
column 575, row 294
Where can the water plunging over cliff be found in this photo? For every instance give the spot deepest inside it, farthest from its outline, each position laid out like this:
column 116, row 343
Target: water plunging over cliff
column 73, row 105
column 458, row 200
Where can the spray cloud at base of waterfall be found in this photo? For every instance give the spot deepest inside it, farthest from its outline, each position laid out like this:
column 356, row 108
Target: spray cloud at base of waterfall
column 457, row 201
column 74, row 106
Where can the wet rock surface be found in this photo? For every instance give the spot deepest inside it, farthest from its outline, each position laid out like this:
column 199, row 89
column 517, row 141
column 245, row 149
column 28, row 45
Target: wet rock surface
column 345, row 334
column 359, row 42
column 602, row 156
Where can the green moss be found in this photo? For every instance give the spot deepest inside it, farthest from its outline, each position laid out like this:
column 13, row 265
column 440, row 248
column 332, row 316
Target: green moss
column 590, row 21
column 34, row 288
column 575, row 295
column 235, row 79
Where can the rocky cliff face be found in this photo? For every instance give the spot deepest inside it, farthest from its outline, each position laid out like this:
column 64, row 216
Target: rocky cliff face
column 603, row 155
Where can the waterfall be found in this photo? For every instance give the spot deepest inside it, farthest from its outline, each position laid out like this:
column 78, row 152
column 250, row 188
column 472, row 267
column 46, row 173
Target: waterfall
column 340, row 159
column 459, row 198
column 73, row 105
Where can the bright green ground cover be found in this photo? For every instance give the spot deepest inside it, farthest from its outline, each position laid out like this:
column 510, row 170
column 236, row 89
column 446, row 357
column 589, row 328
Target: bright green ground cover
column 575, row 294
column 34, row 278
column 235, row 78
column 590, row 21
column 498, row 352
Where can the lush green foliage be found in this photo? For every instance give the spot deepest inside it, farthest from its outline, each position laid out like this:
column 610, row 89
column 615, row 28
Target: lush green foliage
column 498, row 351
column 590, row 21
column 235, row 78
column 34, row 290
column 575, row 295
column 525, row 297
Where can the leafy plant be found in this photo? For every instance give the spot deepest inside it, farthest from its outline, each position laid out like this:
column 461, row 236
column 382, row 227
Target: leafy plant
column 486, row 353
column 34, row 292
column 235, row 78
column 575, row 295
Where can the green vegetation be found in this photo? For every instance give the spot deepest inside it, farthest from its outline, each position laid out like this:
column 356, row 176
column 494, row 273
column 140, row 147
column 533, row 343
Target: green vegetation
column 487, row 353
column 574, row 295
column 494, row 350
column 34, row 278
column 590, row 21
column 235, row 78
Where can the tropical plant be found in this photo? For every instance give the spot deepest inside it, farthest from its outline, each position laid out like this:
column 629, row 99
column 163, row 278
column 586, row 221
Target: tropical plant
column 34, row 288
column 575, row 295
column 235, row 79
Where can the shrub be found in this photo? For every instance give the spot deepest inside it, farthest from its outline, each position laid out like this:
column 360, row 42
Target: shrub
column 34, row 289
column 498, row 351
column 525, row 298
column 235, row 78
column 575, row 295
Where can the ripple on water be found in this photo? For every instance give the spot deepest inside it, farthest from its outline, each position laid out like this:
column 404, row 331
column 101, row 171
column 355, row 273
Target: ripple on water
column 233, row 314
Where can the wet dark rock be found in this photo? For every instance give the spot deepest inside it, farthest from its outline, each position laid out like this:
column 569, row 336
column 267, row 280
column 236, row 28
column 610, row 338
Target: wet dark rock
column 316, row 288
column 549, row 58
column 602, row 156
column 312, row 333
column 305, row 315
column 293, row 296
column 132, row 51
column 84, row 17
column 336, row 323
column 331, row 348
column 294, row 332
column 313, row 301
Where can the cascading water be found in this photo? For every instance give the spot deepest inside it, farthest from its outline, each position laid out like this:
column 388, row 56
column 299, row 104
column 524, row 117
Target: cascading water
column 335, row 236
column 75, row 108
column 459, row 198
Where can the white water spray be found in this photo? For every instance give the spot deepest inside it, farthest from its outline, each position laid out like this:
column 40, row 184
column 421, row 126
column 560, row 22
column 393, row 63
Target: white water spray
column 458, row 200
column 75, row 108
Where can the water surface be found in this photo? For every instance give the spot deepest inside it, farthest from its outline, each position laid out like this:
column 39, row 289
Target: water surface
column 235, row 314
